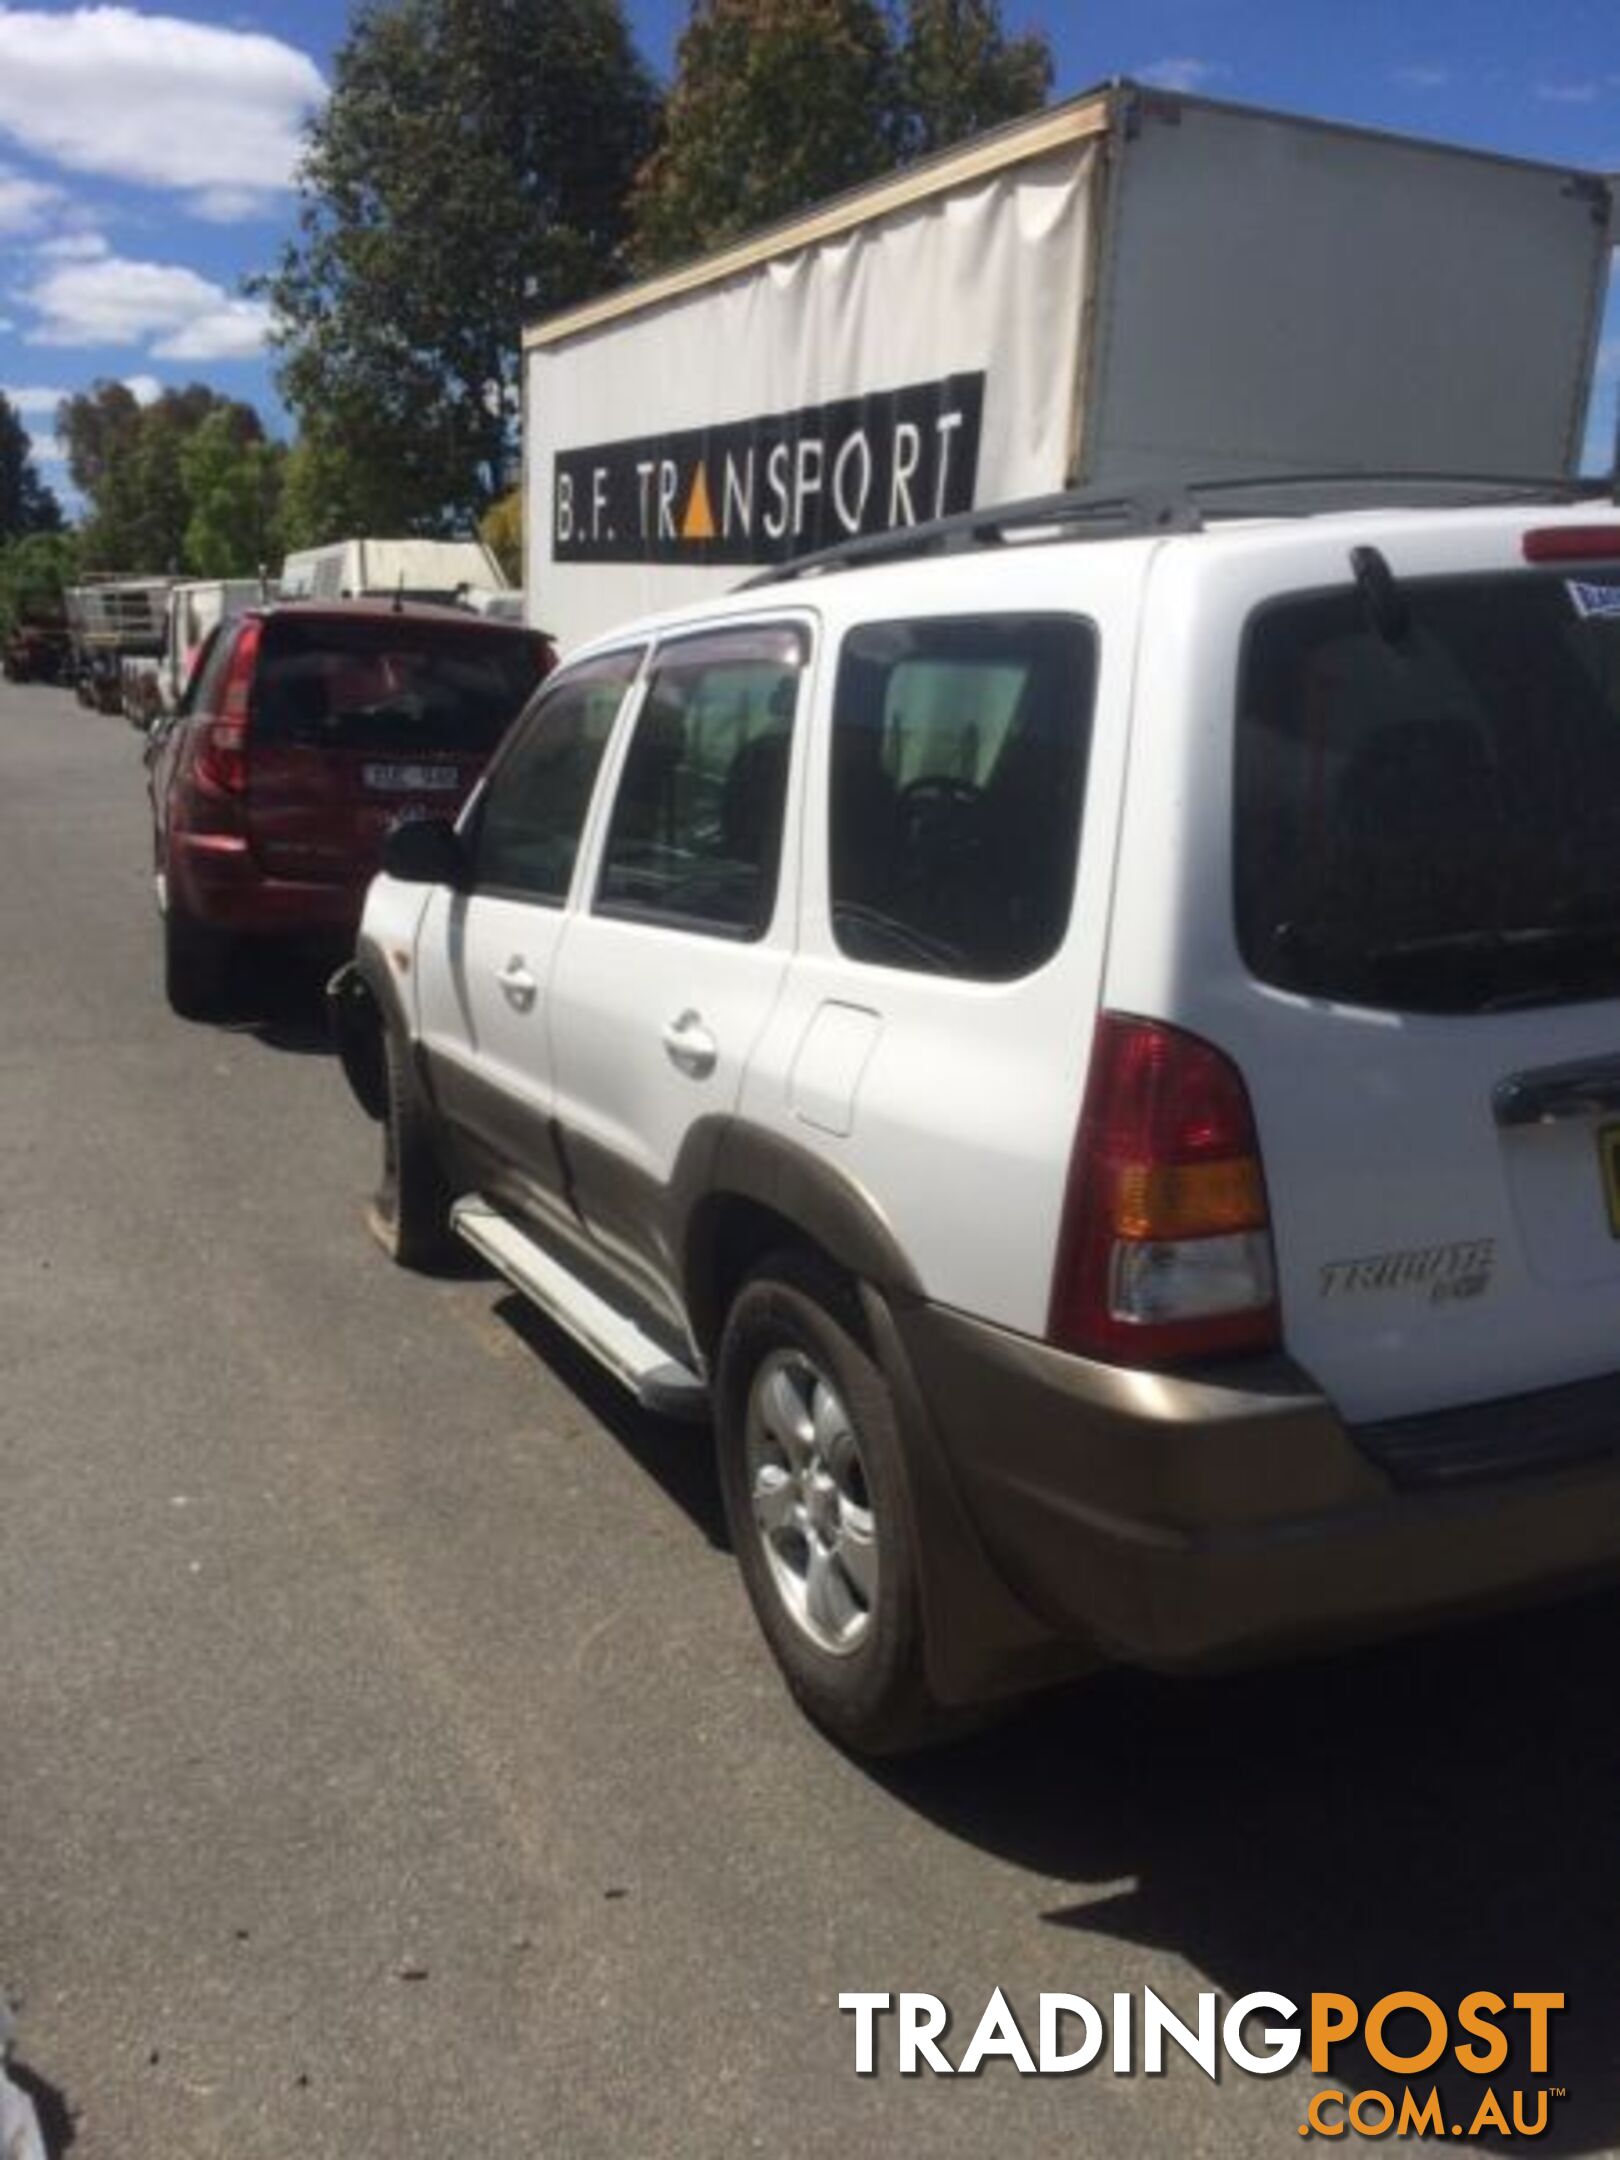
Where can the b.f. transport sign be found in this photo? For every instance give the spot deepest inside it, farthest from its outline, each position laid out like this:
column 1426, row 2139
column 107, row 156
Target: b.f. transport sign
column 778, row 485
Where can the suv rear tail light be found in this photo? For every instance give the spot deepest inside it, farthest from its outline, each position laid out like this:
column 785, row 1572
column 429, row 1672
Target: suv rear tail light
column 1165, row 1252
column 221, row 765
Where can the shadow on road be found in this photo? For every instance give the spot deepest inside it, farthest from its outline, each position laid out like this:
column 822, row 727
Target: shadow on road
column 278, row 997
column 56, row 2125
column 1440, row 1817
column 679, row 1458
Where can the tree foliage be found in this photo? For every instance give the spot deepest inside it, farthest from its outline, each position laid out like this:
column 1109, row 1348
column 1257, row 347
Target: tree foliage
column 777, row 104
column 960, row 72
column 470, row 169
column 35, row 570
column 26, row 503
column 232, row 483
column 154, row 499
column 322, row 497
column 501, row 530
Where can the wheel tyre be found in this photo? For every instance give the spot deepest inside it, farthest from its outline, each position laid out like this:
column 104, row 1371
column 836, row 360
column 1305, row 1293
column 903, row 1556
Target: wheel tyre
column 409, row 1215
column 872, row 1698
column 193, row 964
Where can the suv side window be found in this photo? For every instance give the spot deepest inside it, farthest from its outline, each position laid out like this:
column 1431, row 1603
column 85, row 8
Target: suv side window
column 696, row 835
column 959, row 751
column 533, row 807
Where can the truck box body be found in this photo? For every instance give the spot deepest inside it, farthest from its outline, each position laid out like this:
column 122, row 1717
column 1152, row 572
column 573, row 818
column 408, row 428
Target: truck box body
column 1133, row 288
column 433, row 570
column 119, row 615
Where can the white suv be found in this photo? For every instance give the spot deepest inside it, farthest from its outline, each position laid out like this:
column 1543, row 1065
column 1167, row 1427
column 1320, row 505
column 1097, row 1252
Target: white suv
column 1091, row 1047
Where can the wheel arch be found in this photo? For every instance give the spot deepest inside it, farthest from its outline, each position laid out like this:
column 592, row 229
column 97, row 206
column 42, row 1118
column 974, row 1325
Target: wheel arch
column 742, row 1192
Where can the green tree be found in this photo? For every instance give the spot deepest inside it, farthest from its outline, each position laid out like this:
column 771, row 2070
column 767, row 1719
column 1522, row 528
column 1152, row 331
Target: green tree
column 26, row 503
column 469, row 170
column 778, row 104
column 98, row 427
column 35, row 570
column 128, row 460
column 321, row 498
column 775, row 104
column 233, row 495
column 961, row 73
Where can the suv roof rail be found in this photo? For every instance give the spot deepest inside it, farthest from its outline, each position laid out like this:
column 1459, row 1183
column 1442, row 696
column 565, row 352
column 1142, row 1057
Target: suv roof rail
column 1184, row 507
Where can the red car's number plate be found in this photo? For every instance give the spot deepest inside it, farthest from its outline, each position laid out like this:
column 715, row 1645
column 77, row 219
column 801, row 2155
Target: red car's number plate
column 411, row 779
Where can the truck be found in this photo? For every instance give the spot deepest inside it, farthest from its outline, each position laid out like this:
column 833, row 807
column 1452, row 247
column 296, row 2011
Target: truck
column 1135, row 288
column 434, row 570
column 113, row 620
column 191, row 612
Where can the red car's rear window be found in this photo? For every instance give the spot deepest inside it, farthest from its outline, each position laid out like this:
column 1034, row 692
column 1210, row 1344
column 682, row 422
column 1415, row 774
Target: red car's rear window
column 393, row 684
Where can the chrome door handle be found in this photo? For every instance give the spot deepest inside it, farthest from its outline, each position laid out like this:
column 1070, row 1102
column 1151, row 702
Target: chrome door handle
column 689, row 1045
column 518, row 984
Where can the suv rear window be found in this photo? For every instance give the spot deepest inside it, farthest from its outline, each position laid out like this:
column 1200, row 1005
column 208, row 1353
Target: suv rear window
column 959, row 752
column 1429, row 821
column 392, row 684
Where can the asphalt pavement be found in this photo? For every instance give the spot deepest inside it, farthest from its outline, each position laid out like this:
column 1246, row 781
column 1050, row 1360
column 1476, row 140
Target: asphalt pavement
column 389, row 1764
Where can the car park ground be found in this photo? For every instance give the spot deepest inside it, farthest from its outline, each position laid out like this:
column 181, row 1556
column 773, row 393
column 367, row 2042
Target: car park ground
column 388, row 1761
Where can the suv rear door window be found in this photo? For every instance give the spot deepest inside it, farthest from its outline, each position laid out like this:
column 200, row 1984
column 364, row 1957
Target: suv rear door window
column 394, row 684
column 697, row 823
column 959, row 753
column 1429, row 822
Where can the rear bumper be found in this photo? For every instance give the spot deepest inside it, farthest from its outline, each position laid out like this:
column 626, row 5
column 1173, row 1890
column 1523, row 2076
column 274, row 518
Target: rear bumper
column 217, row 878
column 1178, row 1522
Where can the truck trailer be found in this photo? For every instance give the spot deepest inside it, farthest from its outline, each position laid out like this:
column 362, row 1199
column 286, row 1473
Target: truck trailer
column 1134, row 288
column 114, row 621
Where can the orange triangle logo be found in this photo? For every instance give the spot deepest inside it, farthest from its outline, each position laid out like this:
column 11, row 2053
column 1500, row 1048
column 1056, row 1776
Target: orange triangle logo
column 698, row 524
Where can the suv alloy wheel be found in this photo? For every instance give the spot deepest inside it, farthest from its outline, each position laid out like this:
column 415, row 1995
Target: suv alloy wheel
column 812, row 1471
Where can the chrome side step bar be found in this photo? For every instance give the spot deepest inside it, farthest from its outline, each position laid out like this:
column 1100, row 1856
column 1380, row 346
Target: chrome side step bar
column 658, row 1381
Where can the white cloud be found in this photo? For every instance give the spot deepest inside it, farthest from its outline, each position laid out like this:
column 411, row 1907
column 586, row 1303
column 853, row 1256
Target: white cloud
column 32, row 397
column 25, row 204
column 46, row 447
column 161, row 101
column 1573, row 93
column 1422, row 77
column 234, row 330
column 173, row 312
column 1182, row 74
column 73, row 247
column 143, row 388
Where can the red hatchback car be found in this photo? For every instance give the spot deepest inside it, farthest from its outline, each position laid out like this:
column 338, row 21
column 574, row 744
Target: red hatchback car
column 307, row 732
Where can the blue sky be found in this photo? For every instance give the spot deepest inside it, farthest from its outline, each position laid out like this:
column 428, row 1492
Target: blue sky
column 145, row 152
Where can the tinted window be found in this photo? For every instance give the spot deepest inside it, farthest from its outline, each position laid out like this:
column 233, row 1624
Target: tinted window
column 697, row 823
column 958, row 769
column 1430, row 822
column 534, row 806
column 397, row 684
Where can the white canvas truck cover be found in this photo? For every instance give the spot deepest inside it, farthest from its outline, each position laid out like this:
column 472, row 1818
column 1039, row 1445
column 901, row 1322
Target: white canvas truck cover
column 1131, row 288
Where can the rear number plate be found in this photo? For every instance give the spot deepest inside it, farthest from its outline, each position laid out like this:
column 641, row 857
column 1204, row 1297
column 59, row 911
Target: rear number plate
column 411, row 779
column 1608, row 1141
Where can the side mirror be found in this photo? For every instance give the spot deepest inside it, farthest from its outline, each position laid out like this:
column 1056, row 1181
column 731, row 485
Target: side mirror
column 425, row 851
